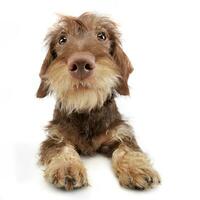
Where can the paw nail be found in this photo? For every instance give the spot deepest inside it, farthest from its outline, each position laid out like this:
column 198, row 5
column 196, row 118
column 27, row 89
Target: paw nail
column 139, row 188
column 70, row 180
column 66, row 181
column 73, row 181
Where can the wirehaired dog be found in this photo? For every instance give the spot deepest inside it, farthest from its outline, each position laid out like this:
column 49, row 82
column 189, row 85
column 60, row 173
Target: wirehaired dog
column 86, row 68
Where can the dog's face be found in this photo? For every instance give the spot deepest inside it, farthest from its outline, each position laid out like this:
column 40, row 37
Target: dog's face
column 85, row 63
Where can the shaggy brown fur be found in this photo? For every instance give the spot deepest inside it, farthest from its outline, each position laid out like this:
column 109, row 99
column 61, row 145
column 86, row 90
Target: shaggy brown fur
column 86, row 119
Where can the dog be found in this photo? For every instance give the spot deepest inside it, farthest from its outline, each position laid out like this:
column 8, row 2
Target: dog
column 86, row 69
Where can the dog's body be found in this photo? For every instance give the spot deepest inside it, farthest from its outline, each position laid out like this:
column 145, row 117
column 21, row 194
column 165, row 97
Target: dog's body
column 86, row 68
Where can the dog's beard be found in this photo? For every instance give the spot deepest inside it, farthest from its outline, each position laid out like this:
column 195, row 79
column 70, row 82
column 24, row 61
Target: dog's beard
column 85, row 95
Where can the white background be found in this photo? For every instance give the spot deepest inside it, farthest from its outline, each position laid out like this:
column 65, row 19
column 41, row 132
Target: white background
column 162, row 39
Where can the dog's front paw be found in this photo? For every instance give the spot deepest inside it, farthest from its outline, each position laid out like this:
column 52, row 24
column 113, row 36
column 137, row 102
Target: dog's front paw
column 134, row 170
column 68, row 174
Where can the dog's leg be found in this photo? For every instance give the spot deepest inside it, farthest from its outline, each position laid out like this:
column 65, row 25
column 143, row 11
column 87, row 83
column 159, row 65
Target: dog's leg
column 130, row 164
column 63, row 166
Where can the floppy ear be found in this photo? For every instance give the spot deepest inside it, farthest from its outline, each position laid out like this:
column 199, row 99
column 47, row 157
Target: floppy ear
column 126, row 68
column 43, row 88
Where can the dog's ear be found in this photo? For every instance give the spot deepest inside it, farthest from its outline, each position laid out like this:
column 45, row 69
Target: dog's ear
column 43, row 88
column 126, row 68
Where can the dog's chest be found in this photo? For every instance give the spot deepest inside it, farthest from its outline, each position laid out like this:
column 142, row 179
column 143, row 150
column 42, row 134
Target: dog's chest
column 87, row 129
column 90, row 124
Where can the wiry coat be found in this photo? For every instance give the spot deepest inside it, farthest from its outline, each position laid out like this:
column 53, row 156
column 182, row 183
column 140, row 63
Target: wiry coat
column 86, row 119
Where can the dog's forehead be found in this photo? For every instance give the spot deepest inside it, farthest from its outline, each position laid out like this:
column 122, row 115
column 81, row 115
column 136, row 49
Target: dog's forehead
column 86, row 23
column 84, row 26
column 92, row 21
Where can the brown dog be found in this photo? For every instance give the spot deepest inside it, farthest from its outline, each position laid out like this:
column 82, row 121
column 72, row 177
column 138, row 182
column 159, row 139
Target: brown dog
column 85, row 68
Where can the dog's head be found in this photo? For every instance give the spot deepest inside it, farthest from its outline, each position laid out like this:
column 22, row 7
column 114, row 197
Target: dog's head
column 85, row 63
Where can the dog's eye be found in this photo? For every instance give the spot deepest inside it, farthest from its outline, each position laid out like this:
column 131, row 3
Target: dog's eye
column 62, row 39
column 101, row 36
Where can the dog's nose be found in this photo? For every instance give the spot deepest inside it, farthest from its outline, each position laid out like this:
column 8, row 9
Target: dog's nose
column 81, row 65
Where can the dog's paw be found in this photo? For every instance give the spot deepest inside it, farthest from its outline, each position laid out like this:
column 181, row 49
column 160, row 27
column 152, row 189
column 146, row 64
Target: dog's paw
column 134, row 170
column 139, row 179
column 68, row 174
